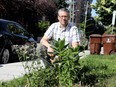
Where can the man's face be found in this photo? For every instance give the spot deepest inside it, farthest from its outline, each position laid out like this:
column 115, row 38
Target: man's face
column 63, row 18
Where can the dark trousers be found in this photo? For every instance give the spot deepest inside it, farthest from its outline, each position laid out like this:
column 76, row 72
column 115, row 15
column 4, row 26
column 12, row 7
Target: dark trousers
column 41, row 52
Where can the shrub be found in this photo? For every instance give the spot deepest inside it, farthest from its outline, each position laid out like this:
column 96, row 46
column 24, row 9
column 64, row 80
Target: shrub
column 43, row 25
column 110, row 29
column 63, row 72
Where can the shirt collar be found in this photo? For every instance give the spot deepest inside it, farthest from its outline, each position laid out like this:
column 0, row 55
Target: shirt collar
column 62, row 29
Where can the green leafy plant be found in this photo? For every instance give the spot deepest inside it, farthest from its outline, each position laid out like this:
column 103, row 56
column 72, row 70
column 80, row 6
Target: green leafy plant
column 63, row 72
column 67, row 65
column 31, row 63
column 43, row 25
column 110, row 29
column 26, row 52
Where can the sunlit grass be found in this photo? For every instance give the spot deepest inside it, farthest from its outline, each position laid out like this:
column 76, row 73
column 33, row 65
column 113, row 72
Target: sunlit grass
column 20, row 82
column 102, row 67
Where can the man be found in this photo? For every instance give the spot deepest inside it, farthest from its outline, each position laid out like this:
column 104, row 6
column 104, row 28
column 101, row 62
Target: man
column 61, row 30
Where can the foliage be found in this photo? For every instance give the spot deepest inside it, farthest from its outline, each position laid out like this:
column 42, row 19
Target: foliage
column 26, row 52
column 63, row 72
column 68, row 58
column 28, row 12
column 43, row 25
column 61, row 4
column 69, row 70
column 92, row 27
column 29, row 54
column 104, row 9
column 110, row 29
column 98, row 70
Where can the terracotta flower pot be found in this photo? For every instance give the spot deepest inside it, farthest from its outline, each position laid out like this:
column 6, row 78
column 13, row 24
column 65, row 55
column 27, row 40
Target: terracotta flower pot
column 109, row 43
column 95, row 43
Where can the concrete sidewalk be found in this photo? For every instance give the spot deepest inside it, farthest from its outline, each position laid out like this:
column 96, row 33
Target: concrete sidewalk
column 11, row 71
column 15, row 70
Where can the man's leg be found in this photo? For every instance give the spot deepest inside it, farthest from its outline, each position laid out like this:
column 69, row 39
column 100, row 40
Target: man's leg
column 41, row 51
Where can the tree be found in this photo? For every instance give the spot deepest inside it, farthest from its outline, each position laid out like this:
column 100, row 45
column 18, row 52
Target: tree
column 93, row 27
column 61, row 4
column 104, row 9
column 28, row 12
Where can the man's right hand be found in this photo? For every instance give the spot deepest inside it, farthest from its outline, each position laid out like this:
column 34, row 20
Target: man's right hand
column 50, row 50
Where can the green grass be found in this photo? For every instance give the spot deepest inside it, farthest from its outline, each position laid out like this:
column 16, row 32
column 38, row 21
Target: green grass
column 107, row 62
column 20, row 82
column 97, row 70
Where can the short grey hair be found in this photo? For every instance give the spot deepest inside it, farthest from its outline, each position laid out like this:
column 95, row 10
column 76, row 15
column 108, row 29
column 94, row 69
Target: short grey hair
column 63, row 9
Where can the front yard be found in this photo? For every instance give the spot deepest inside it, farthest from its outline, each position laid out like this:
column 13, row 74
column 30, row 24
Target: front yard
column 96, row 71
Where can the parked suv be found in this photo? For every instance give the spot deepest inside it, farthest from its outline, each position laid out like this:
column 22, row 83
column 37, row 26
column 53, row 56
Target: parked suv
column 12, row 33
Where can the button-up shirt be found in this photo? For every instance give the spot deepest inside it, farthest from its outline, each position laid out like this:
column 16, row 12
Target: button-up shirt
column 69, row 33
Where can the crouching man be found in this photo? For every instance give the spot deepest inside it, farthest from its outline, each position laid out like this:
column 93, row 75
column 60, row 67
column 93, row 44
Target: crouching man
column 60, row 30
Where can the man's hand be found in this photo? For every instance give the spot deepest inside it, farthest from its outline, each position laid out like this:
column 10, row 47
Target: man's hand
column 50, row 50
column 56, row 58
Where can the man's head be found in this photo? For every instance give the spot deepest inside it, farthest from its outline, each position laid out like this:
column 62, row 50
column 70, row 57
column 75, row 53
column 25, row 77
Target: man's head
column 63, row 16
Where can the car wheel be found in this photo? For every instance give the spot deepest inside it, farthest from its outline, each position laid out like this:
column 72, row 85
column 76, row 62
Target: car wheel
column 5, row 56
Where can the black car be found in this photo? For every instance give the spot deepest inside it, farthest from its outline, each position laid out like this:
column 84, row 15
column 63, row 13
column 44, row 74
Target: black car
column 12, row 33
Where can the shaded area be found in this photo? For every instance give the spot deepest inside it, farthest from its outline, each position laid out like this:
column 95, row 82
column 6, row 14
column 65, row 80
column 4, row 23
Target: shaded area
column 93, row 27
column 28, row 13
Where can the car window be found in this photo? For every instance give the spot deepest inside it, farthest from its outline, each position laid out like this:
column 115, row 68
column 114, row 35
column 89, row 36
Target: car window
column 21, row 30
column 16, row 28
column 11, row 27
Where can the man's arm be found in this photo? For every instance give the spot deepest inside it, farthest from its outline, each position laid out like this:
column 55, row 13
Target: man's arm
column 45, row 42
column 75, row 44
column 75, row 37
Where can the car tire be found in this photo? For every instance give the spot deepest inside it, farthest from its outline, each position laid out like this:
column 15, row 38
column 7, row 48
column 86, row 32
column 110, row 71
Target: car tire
column 5, row 57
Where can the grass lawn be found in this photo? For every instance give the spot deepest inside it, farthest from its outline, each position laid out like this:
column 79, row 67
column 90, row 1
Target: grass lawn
column 101, row 69
column 98, row 70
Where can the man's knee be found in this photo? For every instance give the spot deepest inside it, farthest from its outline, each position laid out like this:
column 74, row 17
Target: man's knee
column 40, row 50
column 41, row 47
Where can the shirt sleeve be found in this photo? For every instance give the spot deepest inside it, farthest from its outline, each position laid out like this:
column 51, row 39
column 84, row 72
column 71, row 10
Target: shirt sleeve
column 75, row 34
column 49, row 32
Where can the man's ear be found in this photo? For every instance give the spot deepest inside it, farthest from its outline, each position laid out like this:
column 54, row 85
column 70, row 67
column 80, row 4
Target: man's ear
column 58, row 17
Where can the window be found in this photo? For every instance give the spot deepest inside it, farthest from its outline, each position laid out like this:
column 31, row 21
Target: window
column 11, row 27
column 21, row 30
